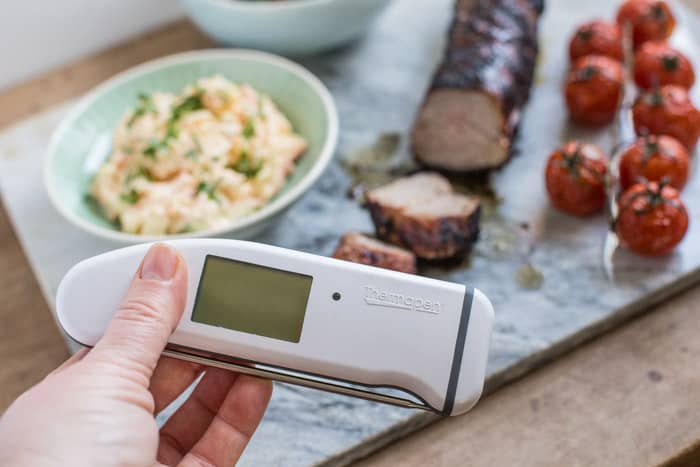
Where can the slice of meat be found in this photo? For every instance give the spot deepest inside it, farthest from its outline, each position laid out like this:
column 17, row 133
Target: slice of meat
column 470, row 115
column 362, row 249
column 423, row 214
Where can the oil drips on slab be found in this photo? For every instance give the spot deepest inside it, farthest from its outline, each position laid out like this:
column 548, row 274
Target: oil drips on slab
column 529, row 277
column 501, row 239
column 378, row 164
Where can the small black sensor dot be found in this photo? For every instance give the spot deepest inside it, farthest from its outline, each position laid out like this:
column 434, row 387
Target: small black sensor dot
column 336, row 296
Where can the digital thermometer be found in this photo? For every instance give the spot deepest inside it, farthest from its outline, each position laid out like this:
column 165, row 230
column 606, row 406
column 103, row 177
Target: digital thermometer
column 305, row 319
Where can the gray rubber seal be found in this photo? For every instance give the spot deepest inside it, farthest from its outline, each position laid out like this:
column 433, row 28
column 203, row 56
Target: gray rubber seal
column 459, row 351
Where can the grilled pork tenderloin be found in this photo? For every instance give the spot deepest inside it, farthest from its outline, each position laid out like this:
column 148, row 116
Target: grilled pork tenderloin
column 423, row 214
column 469, row 117
column 362, row 249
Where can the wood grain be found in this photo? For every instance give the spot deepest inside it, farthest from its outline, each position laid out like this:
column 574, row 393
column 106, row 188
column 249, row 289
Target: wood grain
column 74, row 79
column 30, row 344
column 625, row 400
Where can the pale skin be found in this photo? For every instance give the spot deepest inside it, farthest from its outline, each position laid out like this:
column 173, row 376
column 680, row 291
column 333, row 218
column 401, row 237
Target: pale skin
column 98, row 407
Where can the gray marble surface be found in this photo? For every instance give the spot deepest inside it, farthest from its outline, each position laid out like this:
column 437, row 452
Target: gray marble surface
column 378, row 83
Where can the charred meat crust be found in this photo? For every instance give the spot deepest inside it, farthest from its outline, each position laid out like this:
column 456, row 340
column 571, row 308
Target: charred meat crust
column 362, row 249
column 428, row 239
column 492, row 49
column 422, row 213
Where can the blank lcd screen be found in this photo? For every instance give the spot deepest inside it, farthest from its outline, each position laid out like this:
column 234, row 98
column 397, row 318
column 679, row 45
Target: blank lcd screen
column 251, row 298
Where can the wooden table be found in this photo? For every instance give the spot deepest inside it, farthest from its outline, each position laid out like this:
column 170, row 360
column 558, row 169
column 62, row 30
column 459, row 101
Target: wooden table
column 629, row 397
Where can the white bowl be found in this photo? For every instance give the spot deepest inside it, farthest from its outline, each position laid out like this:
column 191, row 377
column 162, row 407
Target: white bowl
column 291, row 27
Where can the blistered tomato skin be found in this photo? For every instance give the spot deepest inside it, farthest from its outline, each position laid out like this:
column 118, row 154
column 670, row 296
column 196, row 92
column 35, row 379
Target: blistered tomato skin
column 650, row 20
column 652, row 219
column 596, row 38
column 575, row 178
column 667, row 111
column 654, row 158
column 593, row 89
column 657, row 64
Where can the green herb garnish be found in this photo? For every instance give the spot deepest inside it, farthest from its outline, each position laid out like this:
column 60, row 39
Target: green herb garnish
column 144, row 106
column 245, row 166
column 249, row 129
column 154, row 146
column 171, row 131
column 208, row 188
column 190, row 104
column 139, row 172
column 132, row 197
column 196, row 150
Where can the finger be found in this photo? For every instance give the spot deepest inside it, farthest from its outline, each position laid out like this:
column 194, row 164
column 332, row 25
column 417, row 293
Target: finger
column 148, row 315
column 190, row 422
column 73, row 359
column 170, row 378
column 234, row 424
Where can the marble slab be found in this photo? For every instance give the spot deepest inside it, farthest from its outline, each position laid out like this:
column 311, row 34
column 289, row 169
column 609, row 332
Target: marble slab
column 378, row 84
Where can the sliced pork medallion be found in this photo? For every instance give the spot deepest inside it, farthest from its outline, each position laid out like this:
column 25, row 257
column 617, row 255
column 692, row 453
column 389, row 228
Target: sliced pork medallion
column 362, row 249
column 424, row 214
column 469, row 117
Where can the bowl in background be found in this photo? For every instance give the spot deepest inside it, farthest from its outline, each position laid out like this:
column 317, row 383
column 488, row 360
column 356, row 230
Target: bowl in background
column 290, row 27
column 83, row 139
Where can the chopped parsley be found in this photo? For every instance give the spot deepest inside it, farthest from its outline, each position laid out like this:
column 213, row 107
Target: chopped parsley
column 208, row 188
column 249, row 129
column 189, row 104
column 171, row 131
column 245, row 166
column 144, row 106
column 139, row 172
column 154, row 146
column 132, row 197
column 196, row 150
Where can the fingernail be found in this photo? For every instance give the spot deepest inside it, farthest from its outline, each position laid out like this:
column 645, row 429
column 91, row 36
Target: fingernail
column 160, row 263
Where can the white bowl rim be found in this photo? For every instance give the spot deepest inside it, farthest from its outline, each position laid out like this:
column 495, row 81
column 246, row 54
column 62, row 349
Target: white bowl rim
column 268, row 5
column 267, row 211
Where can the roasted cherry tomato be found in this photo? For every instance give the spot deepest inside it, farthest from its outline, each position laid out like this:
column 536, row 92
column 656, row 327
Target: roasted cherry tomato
column 657, row 63
column 654, row 158
column 575, row 178
column 652, row 219
column 667, row 111
column 596, row 38
column 593, row 89
column 650, row 20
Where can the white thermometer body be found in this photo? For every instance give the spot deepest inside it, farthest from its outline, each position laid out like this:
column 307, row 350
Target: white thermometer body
column 305, row 313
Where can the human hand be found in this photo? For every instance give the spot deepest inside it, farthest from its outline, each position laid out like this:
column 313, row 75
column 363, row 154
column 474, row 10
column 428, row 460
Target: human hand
column 98, row 407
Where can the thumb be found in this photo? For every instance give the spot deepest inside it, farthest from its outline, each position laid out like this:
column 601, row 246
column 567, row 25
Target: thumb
column 149, row 313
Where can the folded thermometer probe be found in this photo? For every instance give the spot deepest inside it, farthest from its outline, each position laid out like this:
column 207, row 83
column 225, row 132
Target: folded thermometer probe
column 305, row 319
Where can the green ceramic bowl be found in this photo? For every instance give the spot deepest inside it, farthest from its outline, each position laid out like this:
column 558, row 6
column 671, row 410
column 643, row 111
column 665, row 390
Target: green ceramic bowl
column 82, row 141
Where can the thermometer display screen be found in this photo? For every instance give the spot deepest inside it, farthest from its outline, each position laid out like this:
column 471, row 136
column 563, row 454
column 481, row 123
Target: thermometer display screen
column 252, row 298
